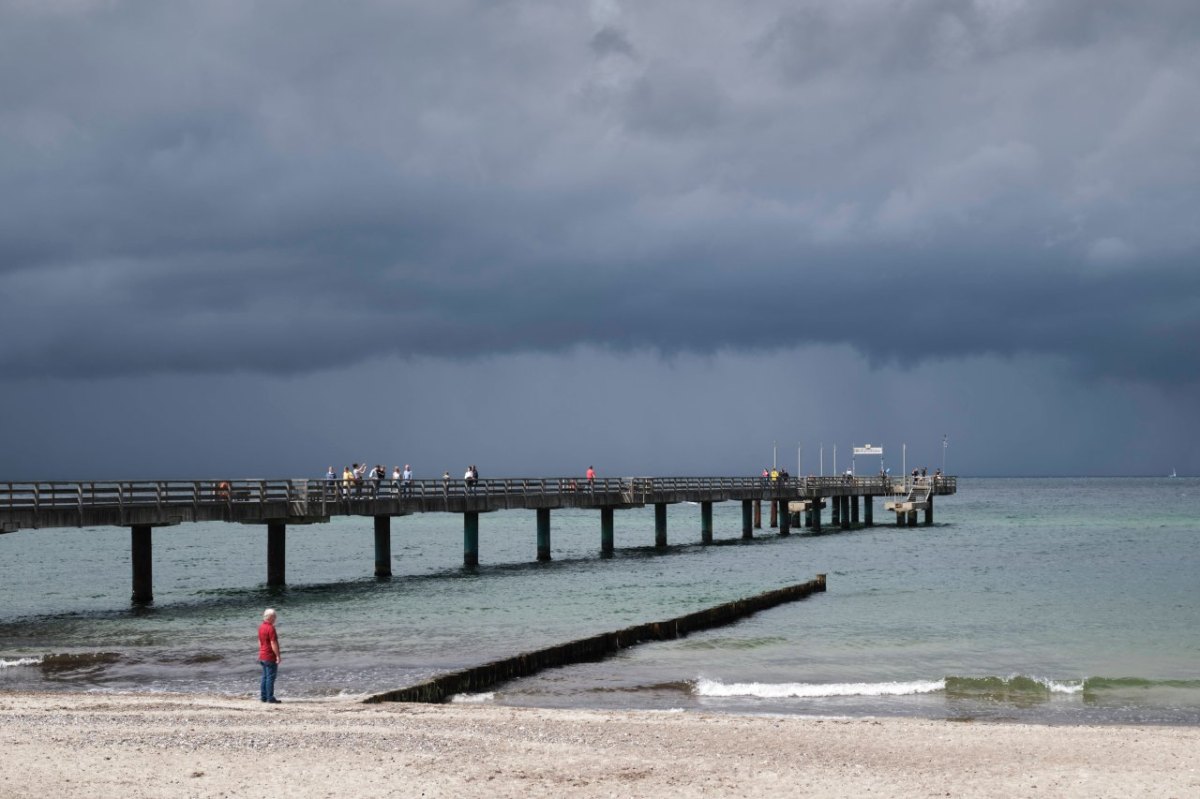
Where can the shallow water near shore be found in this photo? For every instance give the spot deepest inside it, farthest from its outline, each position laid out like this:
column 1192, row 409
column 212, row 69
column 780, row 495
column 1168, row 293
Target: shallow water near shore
column 1050, row 600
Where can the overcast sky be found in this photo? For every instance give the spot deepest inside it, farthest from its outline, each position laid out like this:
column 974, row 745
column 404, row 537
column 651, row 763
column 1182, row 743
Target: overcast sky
column 248, row 238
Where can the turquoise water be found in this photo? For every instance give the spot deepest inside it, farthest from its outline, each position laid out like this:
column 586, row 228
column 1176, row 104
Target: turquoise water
column 1051, row 600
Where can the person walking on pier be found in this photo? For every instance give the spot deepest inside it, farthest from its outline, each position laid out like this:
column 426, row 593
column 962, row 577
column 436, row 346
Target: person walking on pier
column 406, row 479
column 268, row 656
column 591, row 478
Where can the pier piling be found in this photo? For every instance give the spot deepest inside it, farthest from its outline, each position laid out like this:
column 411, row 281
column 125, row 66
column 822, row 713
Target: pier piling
column 706, row 528
column 276, row 553
column 606, row 530
column 141, row 556
column 747, row 518
column 383, row 546
column 660, row 525
column 471, row 538
column 543, row 534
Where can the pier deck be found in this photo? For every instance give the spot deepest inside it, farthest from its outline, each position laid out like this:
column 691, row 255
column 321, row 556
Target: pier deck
column 146, row 504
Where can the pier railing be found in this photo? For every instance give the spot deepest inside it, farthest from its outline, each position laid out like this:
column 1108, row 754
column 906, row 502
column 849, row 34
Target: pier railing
column 317, row 495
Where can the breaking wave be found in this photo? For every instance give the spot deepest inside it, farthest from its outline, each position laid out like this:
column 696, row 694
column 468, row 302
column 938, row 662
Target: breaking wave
column 9, row 664
column 802, row 690
column 1017, row 688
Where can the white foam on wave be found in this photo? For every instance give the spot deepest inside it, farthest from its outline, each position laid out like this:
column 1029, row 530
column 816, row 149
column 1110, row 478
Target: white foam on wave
column 473, row 699
column 801, row 690
column 1056, row 687
column 9, row 664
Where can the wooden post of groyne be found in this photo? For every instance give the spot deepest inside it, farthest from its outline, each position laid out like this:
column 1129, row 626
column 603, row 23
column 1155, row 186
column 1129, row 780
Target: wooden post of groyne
column 593, row 648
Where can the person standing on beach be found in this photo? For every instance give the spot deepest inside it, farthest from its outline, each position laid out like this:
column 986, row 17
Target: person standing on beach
column 268, row 656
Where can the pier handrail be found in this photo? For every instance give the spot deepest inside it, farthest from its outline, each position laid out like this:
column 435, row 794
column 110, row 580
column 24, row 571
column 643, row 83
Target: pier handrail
column 323, row 497
column 174, row 493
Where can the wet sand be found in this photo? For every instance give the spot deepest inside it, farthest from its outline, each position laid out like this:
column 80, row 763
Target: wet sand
column 104, row 745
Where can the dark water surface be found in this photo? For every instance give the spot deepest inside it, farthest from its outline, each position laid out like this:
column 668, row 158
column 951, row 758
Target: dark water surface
column 1053, row 600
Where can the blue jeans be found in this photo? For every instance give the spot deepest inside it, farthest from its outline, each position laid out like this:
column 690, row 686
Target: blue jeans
column 267, row 690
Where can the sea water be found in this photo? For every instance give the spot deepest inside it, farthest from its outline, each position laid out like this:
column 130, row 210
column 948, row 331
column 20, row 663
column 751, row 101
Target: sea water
column 1045, row 600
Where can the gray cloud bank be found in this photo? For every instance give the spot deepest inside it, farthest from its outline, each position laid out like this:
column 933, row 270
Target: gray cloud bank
column 289, row 187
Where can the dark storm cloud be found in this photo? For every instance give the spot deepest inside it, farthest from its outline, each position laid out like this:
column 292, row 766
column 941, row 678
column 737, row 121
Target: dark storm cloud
column 289, row 187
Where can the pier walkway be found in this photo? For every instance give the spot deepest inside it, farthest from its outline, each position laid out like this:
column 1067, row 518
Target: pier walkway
column 143, row 505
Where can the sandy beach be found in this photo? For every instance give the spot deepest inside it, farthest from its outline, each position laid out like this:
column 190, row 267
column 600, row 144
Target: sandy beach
column 101, row 745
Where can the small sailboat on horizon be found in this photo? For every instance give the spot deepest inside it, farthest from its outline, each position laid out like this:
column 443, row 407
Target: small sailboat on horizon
column 1172, row 474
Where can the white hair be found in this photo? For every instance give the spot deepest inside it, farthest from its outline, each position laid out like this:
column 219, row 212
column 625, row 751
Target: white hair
column 269, row 613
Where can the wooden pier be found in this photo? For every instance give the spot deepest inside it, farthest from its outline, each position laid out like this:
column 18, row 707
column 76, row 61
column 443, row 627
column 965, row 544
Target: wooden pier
column 144, row 505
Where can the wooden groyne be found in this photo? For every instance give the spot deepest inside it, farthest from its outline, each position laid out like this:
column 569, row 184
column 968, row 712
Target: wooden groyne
column 597, row 647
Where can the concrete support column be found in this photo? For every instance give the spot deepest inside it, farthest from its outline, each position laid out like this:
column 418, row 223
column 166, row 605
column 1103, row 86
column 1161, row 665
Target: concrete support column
column 785, row 518
column 660, row 524
column 929, row 512
column 901, row 517
column 383, row 546
column 912, row 518
column 869, row 510
column 758, row 514
column 808, row 514
column 276, row 553
column 471, row 538
column 706, row 522
column 141, row 556
column 747, row 518
column 816, row 514
column 845, row 503
column 854, row 510
column 774, row 513
column 835, row 511
column 543, row 534
column 606, row 531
